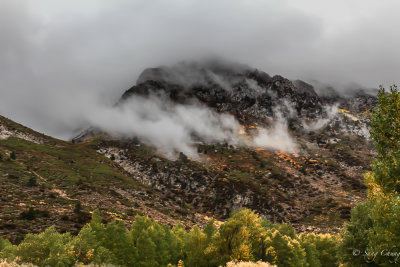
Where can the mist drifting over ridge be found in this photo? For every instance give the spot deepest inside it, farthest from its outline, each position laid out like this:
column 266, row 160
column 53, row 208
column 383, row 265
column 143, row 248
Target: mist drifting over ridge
column 172, row 128
column 162, row 111
column 61, row 60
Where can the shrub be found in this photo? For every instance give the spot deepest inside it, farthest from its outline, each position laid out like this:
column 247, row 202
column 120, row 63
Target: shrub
column 32, row 181
column 30, row 214
column 78, row 207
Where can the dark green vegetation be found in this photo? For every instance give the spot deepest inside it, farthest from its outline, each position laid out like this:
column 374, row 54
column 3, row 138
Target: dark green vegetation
column 244, row 237
column 374, row 229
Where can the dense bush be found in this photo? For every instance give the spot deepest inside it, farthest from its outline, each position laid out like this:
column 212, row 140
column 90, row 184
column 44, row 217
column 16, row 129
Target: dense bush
column 245, row 237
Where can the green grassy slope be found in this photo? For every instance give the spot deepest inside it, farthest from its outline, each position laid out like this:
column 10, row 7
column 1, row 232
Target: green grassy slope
column 52, row 177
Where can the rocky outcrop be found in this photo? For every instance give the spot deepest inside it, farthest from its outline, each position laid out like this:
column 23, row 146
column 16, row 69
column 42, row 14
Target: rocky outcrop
column 239, row 90
column 6, row 132
column 323, row 179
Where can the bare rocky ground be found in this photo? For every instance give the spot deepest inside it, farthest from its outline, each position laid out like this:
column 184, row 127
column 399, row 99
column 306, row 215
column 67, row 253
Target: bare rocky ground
column 314, row 189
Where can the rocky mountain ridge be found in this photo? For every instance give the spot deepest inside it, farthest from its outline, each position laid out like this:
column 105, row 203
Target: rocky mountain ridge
column 314, row 188
column 325, row 175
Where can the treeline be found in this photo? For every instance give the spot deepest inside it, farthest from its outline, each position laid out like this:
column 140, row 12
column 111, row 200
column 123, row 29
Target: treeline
column 245, row 236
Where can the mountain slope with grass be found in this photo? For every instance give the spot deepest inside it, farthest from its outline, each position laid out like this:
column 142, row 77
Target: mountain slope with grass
column 46, row 181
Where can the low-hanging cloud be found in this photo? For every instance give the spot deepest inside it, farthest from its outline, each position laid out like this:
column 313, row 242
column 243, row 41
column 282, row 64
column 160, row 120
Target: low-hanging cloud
column 61, row 59
column 277, row 137
column 330, row 112
column 172, row 128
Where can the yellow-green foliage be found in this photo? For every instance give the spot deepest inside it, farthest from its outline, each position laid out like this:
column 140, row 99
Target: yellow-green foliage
column 47, row 248
column 375, row 225
column 284, row 248
column 5, row 263
column 385, row 131
column 245, row 237
column 321, row 249
column 249, row 264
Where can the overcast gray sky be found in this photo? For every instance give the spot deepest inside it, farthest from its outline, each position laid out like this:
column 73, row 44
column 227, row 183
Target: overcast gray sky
column 60, row 58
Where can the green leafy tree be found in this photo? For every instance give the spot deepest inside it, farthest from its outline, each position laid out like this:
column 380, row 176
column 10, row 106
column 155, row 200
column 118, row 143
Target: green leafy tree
column 326, row 249
column 180, row 237
column 240, row 238
column 384, row 181
column 147, row 250
column 47, row 248
column 210, row 230
column 195, row 248
column 312, row 254
column 117, row 239
column 7, row 250
column 284, row 248
column 355, row 236
column 385, row 132
column 375, row 225
column 87, row 248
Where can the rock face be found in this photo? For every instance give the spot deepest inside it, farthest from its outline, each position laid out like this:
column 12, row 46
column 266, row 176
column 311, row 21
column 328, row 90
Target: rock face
column 240, row 90
column 249, row 94
column 322, row 181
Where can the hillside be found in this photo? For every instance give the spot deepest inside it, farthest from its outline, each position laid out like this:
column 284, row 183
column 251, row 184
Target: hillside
column 52, row 176
column 313, row 188
column 313, row 184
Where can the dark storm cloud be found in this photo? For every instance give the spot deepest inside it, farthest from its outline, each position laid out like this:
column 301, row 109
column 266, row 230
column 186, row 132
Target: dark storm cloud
column 60, row 59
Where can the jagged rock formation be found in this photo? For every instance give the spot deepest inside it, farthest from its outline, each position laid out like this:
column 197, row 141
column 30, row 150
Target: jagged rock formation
column 245, row 92
column 323, row 180
column 314, row 189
